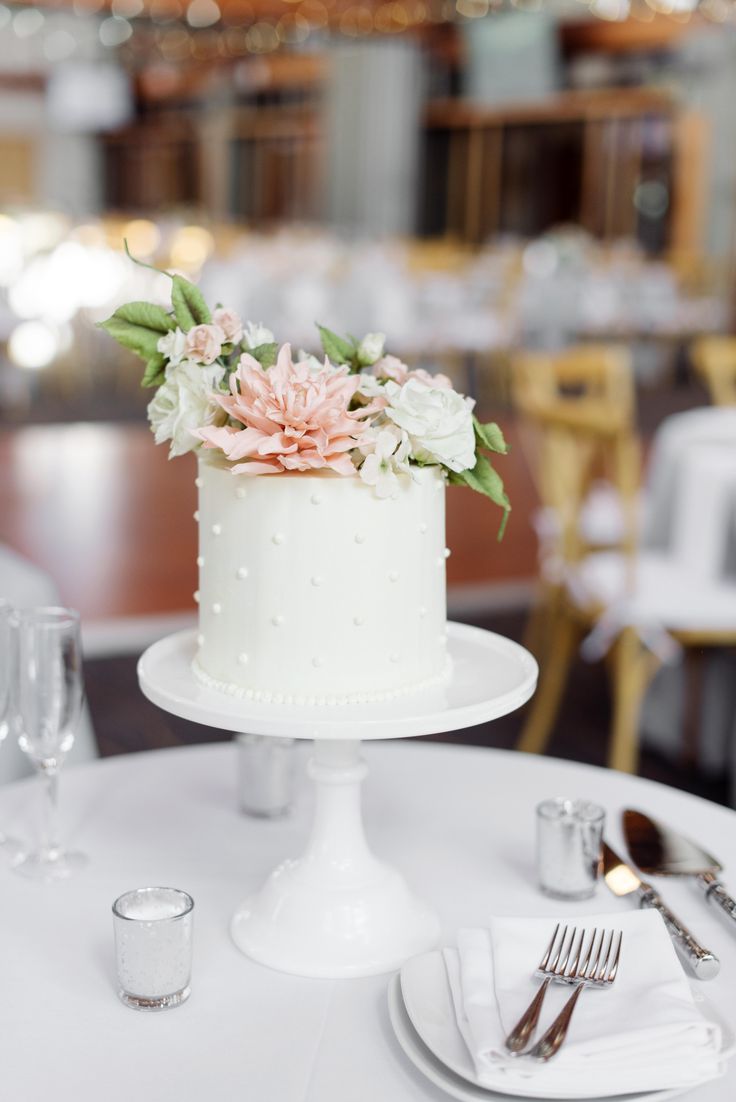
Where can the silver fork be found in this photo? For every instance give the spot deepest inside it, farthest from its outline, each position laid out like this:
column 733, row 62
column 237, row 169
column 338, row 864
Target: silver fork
column 596, row 966
column 551, row 966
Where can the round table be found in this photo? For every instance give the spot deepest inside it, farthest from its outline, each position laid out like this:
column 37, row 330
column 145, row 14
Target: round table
column 463, row 833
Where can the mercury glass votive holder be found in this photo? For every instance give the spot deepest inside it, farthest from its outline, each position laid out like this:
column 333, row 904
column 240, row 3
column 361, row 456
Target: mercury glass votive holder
column 569, row 847
column 265, row 775
column 153, row 947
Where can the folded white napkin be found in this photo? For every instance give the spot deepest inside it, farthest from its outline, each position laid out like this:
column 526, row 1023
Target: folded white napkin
column 643, row 1033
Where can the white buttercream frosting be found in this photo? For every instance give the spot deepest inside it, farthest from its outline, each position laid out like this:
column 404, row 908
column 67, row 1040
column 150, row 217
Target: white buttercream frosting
column 338, row 604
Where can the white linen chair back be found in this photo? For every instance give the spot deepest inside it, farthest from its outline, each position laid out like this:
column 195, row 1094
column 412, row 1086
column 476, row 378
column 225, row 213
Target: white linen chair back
column 707, row 427
column 705, row 508
column 24, row 585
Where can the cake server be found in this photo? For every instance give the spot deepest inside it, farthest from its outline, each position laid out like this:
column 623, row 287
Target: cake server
column 659, row 851
column 622, row 880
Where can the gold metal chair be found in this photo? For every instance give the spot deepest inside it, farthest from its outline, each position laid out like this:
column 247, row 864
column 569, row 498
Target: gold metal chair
column 576, row 415
column 640, row 580
column 714, row 359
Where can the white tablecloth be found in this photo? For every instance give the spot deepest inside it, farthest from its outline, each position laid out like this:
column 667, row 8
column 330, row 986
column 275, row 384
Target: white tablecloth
column 458, row 821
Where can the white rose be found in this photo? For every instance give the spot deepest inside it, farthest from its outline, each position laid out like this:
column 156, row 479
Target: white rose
column 257, row 334
column 439, row 423
column 230, row 324
column 173, row 346
column 370, row 348
column 184, row 402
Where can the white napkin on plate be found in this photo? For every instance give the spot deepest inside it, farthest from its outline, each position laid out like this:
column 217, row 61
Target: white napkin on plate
column 643, row 1033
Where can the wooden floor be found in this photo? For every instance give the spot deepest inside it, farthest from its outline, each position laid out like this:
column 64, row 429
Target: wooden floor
column 109, row 517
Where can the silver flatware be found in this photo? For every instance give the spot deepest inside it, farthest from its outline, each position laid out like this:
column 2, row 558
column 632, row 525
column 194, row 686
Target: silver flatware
column 551, row 966
column 593, row 966
column 623, row 880
column 660, row 851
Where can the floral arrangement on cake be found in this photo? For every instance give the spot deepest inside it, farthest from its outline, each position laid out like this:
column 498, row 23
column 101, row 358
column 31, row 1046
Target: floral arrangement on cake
column 228, row 387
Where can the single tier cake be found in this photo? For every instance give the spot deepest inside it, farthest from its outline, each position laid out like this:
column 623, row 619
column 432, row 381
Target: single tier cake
column 313, row 590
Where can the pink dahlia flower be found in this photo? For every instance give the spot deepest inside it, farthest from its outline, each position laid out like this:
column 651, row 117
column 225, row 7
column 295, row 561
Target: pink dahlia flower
column 295, row 417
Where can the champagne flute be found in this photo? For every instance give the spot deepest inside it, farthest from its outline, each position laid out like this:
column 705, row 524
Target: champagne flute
column 46, row 702
column 9, row 847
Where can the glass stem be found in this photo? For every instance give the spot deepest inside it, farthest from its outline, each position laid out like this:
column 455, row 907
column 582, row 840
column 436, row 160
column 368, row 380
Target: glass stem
column 50, row 847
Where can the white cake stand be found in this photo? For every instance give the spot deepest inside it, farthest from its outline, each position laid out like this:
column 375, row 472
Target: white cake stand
column 337, row 910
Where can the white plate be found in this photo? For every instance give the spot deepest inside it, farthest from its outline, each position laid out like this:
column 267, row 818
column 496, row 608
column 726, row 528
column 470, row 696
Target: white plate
column 423, row 1017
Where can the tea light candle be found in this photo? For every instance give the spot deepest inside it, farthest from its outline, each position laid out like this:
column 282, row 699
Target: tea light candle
column 153, row 943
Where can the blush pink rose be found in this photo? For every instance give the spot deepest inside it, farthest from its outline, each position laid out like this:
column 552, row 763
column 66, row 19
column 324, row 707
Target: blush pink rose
column 204, row 343
column 295, row 417
column 391, row 367
column 230, row 324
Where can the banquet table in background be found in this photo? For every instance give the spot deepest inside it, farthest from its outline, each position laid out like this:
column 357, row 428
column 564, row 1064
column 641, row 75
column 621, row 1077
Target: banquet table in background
column 462, row 833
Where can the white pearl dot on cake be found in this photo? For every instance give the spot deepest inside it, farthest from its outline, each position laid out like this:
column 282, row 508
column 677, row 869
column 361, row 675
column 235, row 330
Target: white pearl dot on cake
column 358, row 621
column 198, row 482
column 241, row 572
column 200, row 560
column 243, row 658
column 278, row 537
column 317, row 661
column 422, row 612
column 195, row 514
column 423, row 527
column 441, row 560
column 216, row 529
column 200, row 640
column 359, row 537
column 316, row 499
column 196, row 595
column 317, row 580
column 216, row 608
column 240, row 492
column 277, row 621
column 394, row 658
column 393, row 575
column 447, row 552
column 442, row 640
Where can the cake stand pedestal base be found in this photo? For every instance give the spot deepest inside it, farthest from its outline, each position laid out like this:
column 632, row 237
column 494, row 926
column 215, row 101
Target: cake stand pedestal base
column 337, row 911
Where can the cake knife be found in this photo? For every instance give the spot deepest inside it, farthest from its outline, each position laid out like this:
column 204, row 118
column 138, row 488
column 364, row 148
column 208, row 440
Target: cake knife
column 659, row 851
column 622, row 880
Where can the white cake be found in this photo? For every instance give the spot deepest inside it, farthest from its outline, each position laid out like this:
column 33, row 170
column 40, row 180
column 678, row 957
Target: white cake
column 312, row 590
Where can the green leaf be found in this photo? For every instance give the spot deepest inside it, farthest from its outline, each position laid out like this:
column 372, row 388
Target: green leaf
column 142, row 263
column 155, row 372
column 146, row 315
column 265, row 354
column 189, row 305
column 336, row 348
column 490, row 436
column 484, row 480
column 139, row 326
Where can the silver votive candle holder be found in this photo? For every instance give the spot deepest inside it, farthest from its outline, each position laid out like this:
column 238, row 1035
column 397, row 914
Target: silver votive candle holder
column 569, row 847
column 265, row 775
column 153, row 947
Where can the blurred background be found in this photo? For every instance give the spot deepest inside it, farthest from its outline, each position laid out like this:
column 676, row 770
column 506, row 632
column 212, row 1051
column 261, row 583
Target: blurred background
column 539, row 201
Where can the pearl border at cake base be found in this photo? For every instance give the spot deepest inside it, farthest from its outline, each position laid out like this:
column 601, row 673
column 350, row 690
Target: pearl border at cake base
column 337, row 911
